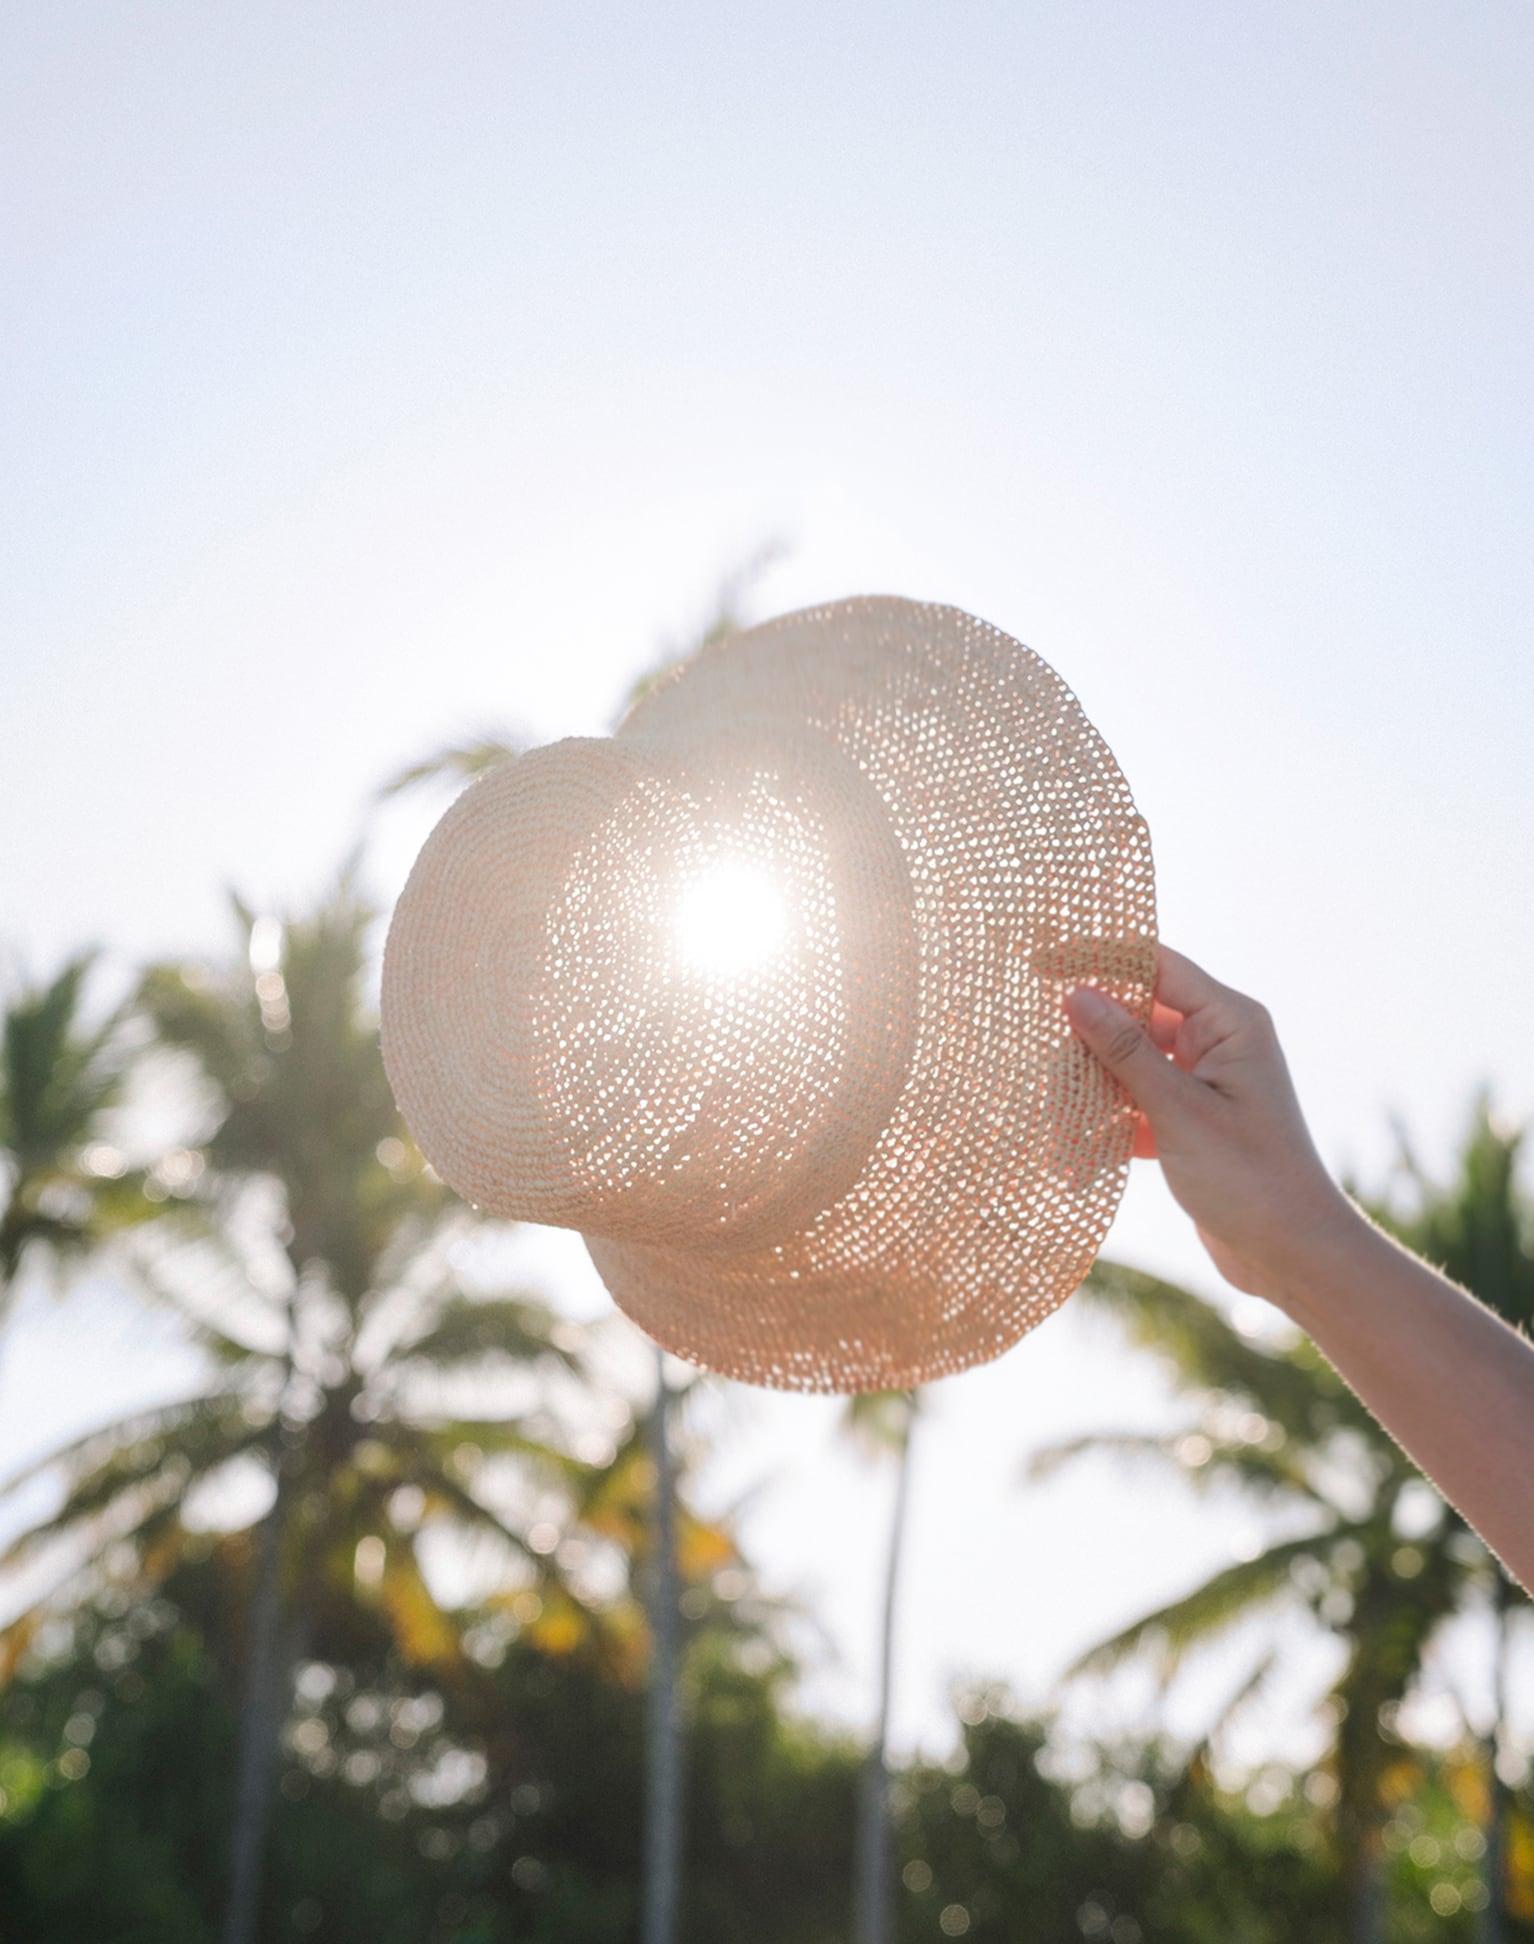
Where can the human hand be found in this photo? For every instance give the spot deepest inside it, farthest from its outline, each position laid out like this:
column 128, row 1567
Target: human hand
column 1218, row 1109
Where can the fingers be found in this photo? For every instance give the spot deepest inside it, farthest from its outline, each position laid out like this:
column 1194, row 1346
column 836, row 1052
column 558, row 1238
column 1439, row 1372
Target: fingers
column 1212, row 1015
column 1196, row 1027
column 1126, row 1050
column 1184, row 986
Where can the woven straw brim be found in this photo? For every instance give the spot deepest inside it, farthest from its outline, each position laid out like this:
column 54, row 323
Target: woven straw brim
column 878, row 1155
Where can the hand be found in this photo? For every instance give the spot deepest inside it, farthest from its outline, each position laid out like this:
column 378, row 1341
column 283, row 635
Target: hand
column 1446, row 1376
column 1218, row 1109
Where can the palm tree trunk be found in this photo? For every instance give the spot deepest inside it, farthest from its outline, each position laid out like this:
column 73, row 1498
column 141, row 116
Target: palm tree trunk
column 663, row 1752
column 1359, row 1828
column 872, row 1883
column 1491, row 1928
column 269, row 1662
column 7, row 1290
column 268, row 1682
column 1366, row 1893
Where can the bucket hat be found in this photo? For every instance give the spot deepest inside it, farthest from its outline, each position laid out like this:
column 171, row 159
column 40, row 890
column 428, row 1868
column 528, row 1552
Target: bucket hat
column 763, row 995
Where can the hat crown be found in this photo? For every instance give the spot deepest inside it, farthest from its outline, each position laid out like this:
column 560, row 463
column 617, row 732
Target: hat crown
column 691, row 979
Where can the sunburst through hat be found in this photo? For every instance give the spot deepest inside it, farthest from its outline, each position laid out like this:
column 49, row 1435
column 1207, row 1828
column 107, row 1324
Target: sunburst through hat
column 764, row 996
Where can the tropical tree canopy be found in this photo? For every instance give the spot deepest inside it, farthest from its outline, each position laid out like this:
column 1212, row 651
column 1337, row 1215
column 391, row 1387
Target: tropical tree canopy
column 65, row 1185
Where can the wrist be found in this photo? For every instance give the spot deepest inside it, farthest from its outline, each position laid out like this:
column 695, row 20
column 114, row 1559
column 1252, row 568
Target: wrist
column 1323, row 1257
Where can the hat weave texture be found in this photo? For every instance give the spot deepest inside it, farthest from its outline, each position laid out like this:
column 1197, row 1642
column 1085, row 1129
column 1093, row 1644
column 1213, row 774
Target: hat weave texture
column 865, row 1149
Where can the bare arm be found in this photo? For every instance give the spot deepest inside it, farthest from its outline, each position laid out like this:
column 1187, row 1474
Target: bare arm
column 1449, row 1380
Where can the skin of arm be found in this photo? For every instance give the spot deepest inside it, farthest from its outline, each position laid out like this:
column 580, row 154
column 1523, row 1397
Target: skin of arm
column 1447, row 1378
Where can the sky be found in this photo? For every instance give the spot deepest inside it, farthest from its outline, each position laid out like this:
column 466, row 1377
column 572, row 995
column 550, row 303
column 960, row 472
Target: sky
column 371, row 374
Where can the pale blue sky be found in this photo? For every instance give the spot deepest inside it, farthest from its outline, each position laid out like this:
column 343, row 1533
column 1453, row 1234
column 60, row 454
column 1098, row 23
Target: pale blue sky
column 371, row 371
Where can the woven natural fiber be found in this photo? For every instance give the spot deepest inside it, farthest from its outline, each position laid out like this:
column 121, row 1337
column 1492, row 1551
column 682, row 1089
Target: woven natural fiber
column 874, row 1153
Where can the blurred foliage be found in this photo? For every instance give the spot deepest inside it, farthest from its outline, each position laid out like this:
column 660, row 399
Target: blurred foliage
column 398, row 1822
column 1365, row 1548
column 397, row 1818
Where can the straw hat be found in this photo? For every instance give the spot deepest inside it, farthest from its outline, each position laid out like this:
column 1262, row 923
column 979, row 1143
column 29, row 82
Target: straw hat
column 763, row 995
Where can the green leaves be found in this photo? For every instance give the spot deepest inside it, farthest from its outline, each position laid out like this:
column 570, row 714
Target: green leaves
column 59, row 1080
column 1478, row 1227
column 54, row 1079
column 879, row 1422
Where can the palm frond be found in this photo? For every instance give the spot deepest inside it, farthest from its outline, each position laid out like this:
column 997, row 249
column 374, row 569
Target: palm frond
column 120, row 1202
column 58, row 1078
column 1245, row 1690
column 198, row 1315
column 85, row 1454
column 22, row 1227
column 1052, row 1458
column 463, row 1505
column 50, row 1083
column 117, row 1491
column 460, row 762
column 443, row 1441
column 1230, row 1595
column 1218, row 1462
column 150, row 1523
column 479, row 1329
column 110, row 1506
column 213, row 1020
column 725, row 615
column 1293, row 1386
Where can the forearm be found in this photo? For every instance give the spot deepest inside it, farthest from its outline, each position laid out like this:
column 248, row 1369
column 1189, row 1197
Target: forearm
column 1448, row 1379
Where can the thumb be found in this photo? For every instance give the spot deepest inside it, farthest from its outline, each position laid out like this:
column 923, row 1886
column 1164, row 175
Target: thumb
column 1118, row 1039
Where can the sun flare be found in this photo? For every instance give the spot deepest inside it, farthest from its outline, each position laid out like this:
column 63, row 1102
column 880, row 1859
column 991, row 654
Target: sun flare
column 730, row 919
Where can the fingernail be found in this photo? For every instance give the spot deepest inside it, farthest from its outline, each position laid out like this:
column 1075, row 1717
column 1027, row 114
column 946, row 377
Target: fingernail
column 1091, row 1004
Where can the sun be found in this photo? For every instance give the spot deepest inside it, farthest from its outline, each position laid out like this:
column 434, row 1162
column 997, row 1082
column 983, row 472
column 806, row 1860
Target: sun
column 730, row 919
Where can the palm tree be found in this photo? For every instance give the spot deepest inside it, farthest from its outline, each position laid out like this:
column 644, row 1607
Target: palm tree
column 663, row 1797
column 1366, row 1545
column 66, row 1186
column 1277, row 1425
column 313, row 1263
column 882, row 1424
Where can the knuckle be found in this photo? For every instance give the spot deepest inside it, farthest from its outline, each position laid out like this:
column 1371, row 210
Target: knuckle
column 1124, row 1044
column 1243, row 1010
